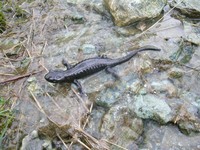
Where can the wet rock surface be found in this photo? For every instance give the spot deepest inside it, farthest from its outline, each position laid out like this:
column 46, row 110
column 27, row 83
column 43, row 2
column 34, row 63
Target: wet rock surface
column 154, row 105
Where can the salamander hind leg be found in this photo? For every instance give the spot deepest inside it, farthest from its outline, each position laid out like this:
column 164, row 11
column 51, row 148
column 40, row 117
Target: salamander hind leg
column 66, row 64
column 112, row 72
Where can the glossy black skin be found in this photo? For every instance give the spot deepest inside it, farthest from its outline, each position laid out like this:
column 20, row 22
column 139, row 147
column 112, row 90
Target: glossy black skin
column 88, row 67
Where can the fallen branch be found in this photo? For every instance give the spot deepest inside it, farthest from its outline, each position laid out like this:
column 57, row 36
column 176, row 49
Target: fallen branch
column 20, row 77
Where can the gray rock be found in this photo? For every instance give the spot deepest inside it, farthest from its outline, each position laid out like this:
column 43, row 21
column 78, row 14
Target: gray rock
column 164, row 86
column 57, row 114
column 192, row 32
column 62, row 27
column 126, row 12
column 31, row 141
column 187, row 117
column 47, row 145
column 95, row 122
column 121, row 126
column 188, row 7
column 88, row 48
column 152, row 107
column 97, row 5
column 167, row 138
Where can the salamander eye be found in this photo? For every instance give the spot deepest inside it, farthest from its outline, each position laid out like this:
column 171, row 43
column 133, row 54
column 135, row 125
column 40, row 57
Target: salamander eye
column 57, row 77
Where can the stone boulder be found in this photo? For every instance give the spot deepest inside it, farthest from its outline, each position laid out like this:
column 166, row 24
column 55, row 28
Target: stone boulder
column 187, row 7
column 126, row 12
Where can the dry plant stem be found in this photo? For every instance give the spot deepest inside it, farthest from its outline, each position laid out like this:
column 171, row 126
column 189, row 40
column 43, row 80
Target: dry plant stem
column 87, row 119
column 32, row 28
column 62, row 141
column 87, row 135
column 29, row 54
column 33, row 47
column 20, row 77
column 114, row 144
column 45, row 21
column 177, row 118
column 54, row 102
column 37, row 102
column 167, row 28
column 6, row 74
column 41, row 109
column 12, row 66
column 83, row 144
column 43, row 48
column 21, row 88
column 144, row 32
column 160, row 19
column 71, row 144
column 42, row 64
column 192, row 68
column 80, row 99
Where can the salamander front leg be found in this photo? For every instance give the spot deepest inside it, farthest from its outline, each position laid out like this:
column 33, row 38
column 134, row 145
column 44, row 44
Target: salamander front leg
column 66, row 64
column 79, row 87
column 112, row 72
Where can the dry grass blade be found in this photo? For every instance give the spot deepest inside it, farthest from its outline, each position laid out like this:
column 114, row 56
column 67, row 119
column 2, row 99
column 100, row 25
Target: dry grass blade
column 37, row 102
column 41, row 62
column 192, row 68
column 160, row 19
column 82, row 101
column 55, row 102
column 41, row 109
column 6, row 74
column 62, row 141
column 87, row 119
column 83, row 144
column 170, row 27
column 114, row 144
column 43, row 48
column 11, row 65
column 145, row 31
column 28, row 52
column 87, row 135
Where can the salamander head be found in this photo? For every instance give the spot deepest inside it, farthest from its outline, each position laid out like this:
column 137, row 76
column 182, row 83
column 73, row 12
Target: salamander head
column 56, row 76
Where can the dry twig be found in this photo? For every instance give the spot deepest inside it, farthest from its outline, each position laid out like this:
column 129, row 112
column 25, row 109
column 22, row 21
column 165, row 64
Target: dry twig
column 20, row 77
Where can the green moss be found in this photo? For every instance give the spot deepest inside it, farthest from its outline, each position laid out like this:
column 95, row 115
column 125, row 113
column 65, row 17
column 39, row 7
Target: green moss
column 185, row 52
column 102, row 104
column 6, row 118
column 2, row 22
column 20, row 12
column 1, row 5
column 175, row 74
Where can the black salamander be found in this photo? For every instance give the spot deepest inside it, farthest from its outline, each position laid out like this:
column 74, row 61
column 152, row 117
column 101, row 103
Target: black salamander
column 88, row 67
